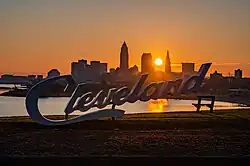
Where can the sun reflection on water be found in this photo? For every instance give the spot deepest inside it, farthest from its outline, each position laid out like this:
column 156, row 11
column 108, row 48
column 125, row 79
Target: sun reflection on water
column 157, row 105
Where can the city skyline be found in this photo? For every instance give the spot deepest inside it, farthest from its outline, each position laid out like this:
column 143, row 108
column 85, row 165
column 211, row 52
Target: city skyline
column 161, row 67
column 37, row 34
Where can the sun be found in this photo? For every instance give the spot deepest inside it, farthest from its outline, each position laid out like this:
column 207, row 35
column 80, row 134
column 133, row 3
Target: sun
column 158, row 61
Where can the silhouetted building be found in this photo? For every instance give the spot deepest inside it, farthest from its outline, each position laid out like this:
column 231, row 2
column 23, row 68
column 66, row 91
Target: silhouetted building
column 238, row 74
column 83, row 72
column 78, row 67
column 32, row 77
column 124, row 57
column 167, row 64
column 39, row 77
column 7, row 76
column 112, row 70
column 99, row 67
column 10, row 77
column 94, row 63
column 159, row 76
column 13, row 79
column 83, row 62
column 176, row 75
column 188, row 68
column 216, row 75
column 146, row 63
column 134, row 70
column 53, row 73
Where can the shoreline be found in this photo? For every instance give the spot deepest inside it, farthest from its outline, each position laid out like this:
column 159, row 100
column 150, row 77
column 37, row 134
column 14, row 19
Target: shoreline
column 218, row 98
column 27, row 118
column 234, row 100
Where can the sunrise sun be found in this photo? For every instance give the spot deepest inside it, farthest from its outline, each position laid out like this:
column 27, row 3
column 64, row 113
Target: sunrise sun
column 158, row 61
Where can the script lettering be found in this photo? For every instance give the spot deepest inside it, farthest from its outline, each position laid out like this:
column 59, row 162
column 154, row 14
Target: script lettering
column 120, row 96
column 83, row 101
column 190, row 84
column 156, row 88
column 134, row 94
column 168, row 88
column 75, row 95
column 109, row 98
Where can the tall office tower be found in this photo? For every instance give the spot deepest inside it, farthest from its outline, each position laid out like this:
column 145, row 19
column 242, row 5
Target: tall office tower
column 124, row 57
column 167, row 64
column 146, row 63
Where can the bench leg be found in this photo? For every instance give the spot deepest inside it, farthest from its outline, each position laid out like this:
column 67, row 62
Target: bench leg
column 211, row 110
column 212, row 105
column 198, row 105
column 198, row 108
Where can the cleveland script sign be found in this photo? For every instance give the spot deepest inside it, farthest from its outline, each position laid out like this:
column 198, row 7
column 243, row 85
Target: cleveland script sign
column 84, row 101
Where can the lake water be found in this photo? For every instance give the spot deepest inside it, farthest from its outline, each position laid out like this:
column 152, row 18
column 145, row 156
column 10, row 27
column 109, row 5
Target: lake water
column 15, row 106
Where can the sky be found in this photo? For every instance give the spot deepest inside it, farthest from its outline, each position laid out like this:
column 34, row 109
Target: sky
column 36, row 36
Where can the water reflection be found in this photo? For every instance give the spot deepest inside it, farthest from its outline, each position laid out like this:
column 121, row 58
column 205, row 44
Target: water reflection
column 15, row 106
column 157, row 105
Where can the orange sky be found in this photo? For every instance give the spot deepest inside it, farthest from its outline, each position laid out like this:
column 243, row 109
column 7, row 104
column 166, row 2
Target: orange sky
column 37, row 36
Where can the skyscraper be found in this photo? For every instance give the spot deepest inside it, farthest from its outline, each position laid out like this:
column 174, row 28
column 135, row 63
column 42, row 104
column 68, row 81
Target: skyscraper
column 124, row 57
column 167, row 64
column 146, row 63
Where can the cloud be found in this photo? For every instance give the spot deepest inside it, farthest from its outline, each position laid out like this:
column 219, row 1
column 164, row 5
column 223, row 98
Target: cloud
column 226, row 64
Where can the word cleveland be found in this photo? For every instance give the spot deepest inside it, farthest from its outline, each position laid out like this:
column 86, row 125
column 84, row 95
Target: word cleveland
column 156, row 90
column 83, row 101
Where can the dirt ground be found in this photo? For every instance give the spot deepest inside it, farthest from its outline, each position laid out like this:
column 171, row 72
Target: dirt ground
column 222, row 133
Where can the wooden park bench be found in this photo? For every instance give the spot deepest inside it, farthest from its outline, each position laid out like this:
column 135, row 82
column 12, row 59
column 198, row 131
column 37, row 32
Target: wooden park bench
column 209, row 105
